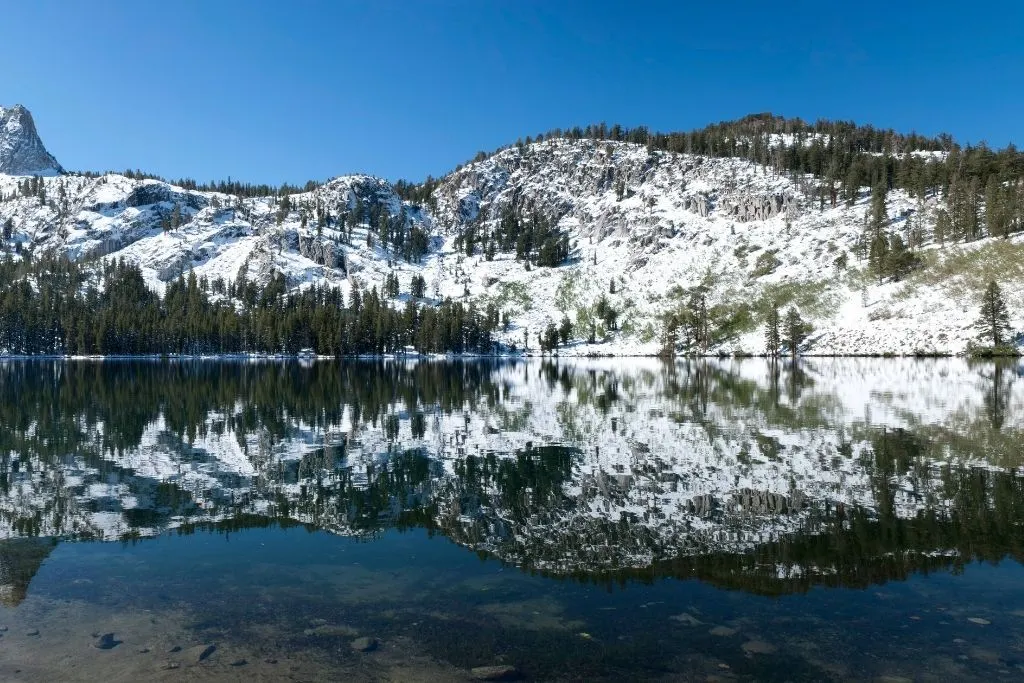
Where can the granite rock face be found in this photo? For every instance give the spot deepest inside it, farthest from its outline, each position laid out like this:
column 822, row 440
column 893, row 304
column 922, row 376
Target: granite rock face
column 21, row 150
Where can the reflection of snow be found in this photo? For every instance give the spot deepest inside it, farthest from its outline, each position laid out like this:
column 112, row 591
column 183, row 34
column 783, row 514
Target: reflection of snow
column 720, row 472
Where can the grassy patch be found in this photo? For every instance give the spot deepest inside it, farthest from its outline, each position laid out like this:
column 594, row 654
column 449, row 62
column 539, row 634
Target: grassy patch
column 567, row 294
column 512, row 296
column 966, row 271
column 811, row 298
column 766, row 263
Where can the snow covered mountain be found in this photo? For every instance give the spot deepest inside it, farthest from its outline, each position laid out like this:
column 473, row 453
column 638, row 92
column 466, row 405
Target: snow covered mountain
column 21, row 150
column 642, row 228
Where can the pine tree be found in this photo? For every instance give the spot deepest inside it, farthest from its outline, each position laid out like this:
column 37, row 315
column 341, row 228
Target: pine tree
column 550, row 339
column 418, row 286
column 993, row 322
column 943, row 227
column 772, row 341
column 284, row 207
column 879, row 215
column 565, row 330
column 796, row 331
column 994, row 209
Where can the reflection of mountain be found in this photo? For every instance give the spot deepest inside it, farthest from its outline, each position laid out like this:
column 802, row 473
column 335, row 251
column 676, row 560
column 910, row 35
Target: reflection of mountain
column 20, row 559
column 748, row 475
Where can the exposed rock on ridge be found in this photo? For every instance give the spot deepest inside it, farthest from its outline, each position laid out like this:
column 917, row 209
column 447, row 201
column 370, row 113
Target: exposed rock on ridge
column 21, row 150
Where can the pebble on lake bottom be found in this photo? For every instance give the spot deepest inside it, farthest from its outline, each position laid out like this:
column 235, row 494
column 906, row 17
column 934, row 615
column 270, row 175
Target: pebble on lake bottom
column 687, row 619
column 758, row 647
column 501, row 672
column 979, row 621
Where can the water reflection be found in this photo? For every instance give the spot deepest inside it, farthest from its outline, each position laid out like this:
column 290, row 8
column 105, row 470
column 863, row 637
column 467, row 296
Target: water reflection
column 770, row 478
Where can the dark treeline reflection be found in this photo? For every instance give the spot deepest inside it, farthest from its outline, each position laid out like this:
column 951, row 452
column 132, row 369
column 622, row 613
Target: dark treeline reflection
column 50, row 410
column 511, row 460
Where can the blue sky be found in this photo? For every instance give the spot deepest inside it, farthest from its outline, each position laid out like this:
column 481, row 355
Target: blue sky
column 268, row 92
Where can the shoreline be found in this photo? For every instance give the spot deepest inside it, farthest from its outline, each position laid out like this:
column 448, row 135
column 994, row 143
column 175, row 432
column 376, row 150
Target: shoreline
column 481, row 356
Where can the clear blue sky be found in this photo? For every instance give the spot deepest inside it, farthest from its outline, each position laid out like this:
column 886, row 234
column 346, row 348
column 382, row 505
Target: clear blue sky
column 268, row 92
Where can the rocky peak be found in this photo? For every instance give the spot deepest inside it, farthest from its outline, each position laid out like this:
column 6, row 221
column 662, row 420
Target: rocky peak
column 21, row 150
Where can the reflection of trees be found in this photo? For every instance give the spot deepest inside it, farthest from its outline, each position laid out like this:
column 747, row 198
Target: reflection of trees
column 843, row 546
column 536, row 507
column 999, row 380
column 697, row 386
column 51, row 410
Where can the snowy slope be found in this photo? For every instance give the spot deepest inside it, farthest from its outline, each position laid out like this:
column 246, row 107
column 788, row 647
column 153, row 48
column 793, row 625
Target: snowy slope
column 685, row 220
column 655, row 223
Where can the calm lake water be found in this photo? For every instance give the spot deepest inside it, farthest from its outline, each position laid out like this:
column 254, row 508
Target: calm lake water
column 846, row 519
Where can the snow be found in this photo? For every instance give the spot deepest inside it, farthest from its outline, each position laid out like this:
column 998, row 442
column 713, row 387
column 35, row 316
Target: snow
column 653, row 242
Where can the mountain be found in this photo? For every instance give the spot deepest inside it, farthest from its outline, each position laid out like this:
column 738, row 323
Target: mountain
column 620, row 238
column 21, row 150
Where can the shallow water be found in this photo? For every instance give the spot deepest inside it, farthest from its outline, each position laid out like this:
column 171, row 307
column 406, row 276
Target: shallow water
column 589, row 520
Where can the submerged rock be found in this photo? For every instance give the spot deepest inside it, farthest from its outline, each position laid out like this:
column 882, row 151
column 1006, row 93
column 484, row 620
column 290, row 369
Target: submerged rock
column 200, row 653
column 106, row 642
column 979, row 621
column 33, row 632
column 758, row 647
column 327, row 630
column 686, row 619
column 502, row 672
column 364, row 644
column 724, row 631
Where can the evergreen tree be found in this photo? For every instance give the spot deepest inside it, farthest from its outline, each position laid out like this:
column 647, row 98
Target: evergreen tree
column 418, row 286
column 284, row 207
column 550, row 338
column 772, row 340
column 699, row 330
column 565, row 330
column 993, row 324
column 943, row 226
column 796, row 331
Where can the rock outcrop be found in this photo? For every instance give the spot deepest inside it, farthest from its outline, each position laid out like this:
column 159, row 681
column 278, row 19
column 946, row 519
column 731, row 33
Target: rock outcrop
column 321, row 251
column 21, row 150
column 760, row 208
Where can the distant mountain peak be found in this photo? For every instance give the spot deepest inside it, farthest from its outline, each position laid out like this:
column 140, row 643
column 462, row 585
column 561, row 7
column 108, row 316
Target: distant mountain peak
column 21, row 150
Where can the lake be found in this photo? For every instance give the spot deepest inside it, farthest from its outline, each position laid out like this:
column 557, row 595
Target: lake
column 605, row 519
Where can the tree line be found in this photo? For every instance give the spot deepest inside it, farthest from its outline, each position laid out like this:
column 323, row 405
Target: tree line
column 55, row 306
